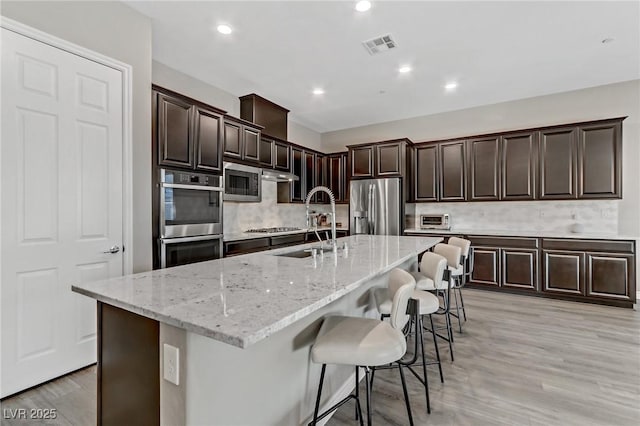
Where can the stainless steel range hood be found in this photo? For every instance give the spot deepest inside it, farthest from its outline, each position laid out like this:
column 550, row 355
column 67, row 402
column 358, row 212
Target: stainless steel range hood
column 278, row 176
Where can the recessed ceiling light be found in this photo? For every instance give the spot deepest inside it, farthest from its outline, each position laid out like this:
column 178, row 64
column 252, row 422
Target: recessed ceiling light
column 224, row 29
column 404, row 69
column 363, row 6
column 608, row 40
column 318, row 91
column 450, row 86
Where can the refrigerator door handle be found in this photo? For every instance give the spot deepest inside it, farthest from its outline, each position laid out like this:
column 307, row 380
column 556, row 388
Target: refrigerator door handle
column 372, row 209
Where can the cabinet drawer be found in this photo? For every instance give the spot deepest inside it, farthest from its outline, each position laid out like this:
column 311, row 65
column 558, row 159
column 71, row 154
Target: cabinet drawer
column 514, row 242
column 234, row 248
column 285, row 240
column 589, row 245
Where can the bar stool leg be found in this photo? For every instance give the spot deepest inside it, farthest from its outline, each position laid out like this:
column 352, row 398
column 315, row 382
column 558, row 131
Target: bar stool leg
column 449, row 335
column 455, row 295
column 366, row 370
column 464, row 312
column 435, row 343
column 358, row 392
column 406, row 395
column 315, row 412
column 424, row 363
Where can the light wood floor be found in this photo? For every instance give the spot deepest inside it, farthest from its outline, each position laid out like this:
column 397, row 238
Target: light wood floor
column 520, row 361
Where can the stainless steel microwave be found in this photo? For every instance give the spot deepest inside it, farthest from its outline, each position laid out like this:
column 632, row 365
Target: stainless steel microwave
column 435, row 221
column 242, row 183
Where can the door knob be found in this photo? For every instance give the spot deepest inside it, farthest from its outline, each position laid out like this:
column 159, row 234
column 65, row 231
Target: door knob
column 113, row 250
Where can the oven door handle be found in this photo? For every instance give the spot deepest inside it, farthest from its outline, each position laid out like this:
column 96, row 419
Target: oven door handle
column 167, row 241
column 196, row 187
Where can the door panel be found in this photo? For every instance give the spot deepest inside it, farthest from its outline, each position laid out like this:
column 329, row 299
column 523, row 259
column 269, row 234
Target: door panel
column 518, row 166
column 232, row 140
column 207, row 140
column 520, row 269
column 61, row 205
column 452, row 171
column 486, row 266
column 389, row 159
column 600, row 161
column 174, row 132
column 563, row 272
column 484, row 169
column 251, row 144
column 610, row 275
column 362, row 162
column 426, row 172
column 558, row 163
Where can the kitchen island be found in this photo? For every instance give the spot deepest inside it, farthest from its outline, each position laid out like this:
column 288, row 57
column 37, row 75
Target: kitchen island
column 243, row 326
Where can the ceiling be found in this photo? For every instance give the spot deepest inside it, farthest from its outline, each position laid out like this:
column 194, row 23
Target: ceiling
column 496, row 51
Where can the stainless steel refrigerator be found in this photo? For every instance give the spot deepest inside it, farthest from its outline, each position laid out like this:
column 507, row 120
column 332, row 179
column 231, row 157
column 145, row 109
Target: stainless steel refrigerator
column 376, row 207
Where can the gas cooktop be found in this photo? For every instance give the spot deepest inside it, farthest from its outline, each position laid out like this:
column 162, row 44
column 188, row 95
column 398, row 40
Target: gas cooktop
column 274, row 229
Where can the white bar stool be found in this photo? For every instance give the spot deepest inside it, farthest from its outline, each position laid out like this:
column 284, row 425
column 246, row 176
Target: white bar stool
column 434, row 267
column 461, row 274
column 366, row 342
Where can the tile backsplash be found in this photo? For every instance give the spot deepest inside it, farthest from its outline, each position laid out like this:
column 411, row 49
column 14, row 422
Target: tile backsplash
column 238, row 217
column 599, row 216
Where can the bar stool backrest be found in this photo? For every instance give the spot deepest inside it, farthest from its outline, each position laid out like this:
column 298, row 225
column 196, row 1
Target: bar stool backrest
column 464, row 245
column 401, row 287
column 450, row 252
column 432, row 266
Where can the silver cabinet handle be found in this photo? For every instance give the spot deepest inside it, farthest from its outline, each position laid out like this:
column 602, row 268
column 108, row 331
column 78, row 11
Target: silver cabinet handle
column 113, row 250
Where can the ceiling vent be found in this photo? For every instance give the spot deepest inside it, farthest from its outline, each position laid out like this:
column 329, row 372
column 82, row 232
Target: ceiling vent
column 380, row 44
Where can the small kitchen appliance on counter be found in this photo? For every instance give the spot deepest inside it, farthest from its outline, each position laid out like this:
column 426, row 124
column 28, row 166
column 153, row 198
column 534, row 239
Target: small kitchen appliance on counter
column 435, row 221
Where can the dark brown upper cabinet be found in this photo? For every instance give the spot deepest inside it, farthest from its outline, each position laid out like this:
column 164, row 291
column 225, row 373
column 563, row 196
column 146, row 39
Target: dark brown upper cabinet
column 266, row 152
column 241, row 140
column 186, row 133
column 426, row 173
column 337, row 176
column 390, row 159
column 518, row 166
column 320, row 178
column 452, row 171
column 281, row 156
column 362, row 162
column 484, row 168
column 297, row 166
column 558, row 163
column 600, row 160
column 265, row 113
column 309, row 174
column 207, row 135
column 232, row 139
column 174, row 131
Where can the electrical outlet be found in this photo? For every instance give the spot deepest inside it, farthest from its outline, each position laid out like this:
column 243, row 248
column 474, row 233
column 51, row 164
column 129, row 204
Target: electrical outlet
column 171, row 364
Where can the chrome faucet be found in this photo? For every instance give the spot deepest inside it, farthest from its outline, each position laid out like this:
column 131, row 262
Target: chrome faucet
column 332, row 199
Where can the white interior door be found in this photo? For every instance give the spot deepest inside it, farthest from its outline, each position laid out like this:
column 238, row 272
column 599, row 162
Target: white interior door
column 61, row 205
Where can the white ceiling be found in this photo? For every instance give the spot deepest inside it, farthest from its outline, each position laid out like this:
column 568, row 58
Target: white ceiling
column 496, row 51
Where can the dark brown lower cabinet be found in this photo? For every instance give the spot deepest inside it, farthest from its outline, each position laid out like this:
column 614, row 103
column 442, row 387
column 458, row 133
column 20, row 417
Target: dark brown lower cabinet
column 563, row 272
column 610, row 275
column 596, row 271
column 520, row 268
column 486, row 270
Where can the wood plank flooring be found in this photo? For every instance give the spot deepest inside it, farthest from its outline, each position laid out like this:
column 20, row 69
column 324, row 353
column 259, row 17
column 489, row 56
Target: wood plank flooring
column 524, row 361
column 519, row 361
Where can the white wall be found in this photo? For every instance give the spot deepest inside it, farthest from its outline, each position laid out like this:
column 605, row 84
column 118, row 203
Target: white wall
column 614, row 100
column 115, row 30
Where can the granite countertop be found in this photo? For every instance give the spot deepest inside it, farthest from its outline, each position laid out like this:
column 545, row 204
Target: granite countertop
column 243, row 299
column 524, row 233
column 252, row 235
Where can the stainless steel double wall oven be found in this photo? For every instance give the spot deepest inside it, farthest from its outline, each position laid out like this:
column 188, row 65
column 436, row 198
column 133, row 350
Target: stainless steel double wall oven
column 190, row 217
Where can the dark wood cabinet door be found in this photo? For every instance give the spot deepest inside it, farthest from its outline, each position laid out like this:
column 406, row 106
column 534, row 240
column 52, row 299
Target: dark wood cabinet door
column 281, row 157
column 452, row 171
column 207, row 140
column 266, row 152
column 484, row 169
column 321, row 178
column 334, row 182
column 563, row 272
column 518, row 166
column 174, row 132
column 600, row 160
column 251, row 144
column 426, row 173
column 362, row 162
column 610, row 275
column 297, row 169
column 520, row 268
column 232, row 140
column 344, row 183
column 309, row 166
column 389, row 159
column 558, row 163
column 486, row 266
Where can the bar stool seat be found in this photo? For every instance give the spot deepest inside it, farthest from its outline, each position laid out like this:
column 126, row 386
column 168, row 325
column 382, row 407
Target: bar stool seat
column 425, row 283
column 358, row 341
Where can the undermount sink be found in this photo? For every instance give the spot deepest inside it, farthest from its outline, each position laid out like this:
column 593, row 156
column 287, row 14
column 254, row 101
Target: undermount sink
column 300, row 254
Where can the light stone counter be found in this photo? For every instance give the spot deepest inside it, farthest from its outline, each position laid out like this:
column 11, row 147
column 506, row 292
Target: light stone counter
column 253, row 235
column 244, row 299
column 523, row 233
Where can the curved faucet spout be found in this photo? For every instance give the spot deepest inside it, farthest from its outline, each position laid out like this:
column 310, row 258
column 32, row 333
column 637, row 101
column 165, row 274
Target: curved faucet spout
column 332, row 200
